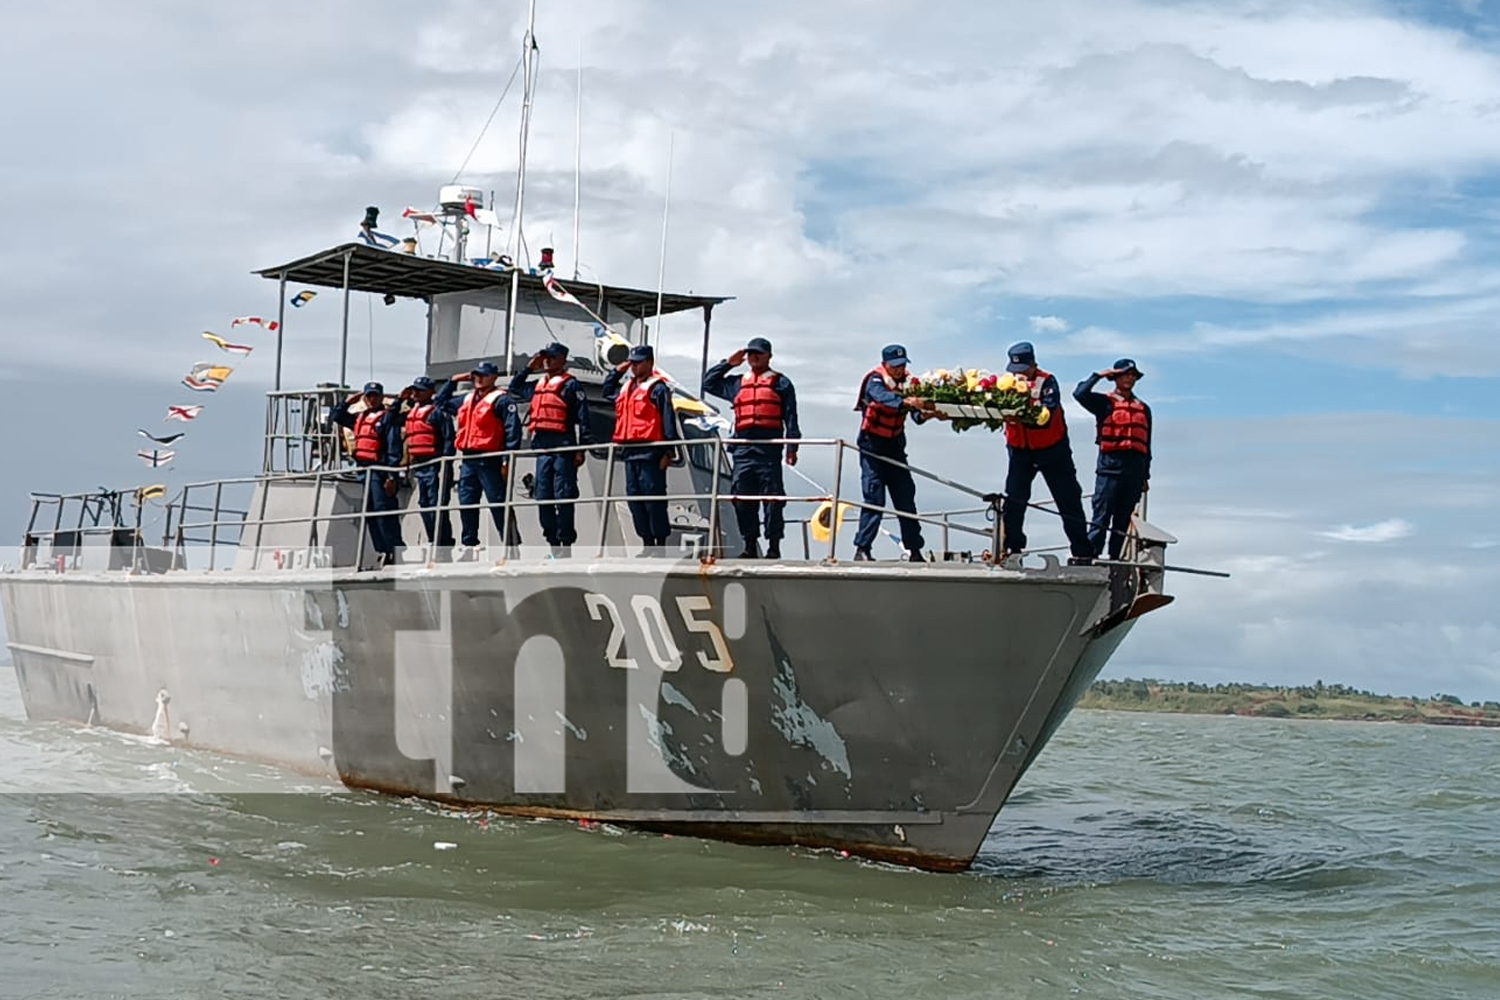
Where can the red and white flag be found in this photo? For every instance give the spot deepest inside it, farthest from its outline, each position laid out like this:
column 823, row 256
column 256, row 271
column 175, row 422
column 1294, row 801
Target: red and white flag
column 183, row 412
column 557, row 291
column 417, row 215
column 268, row 324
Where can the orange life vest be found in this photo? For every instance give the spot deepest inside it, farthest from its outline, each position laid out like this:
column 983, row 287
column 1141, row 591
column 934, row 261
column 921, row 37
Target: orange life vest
column 1037, row 438
column 880, row 420
column 637, row 418
column 1127, row 427
column 369, row 444
column 479, row 429
column 421, row 436
column 757, row 405
column 549, row 408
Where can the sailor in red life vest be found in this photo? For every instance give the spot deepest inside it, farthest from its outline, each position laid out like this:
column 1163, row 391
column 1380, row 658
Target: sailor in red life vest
column 1043, row 449
column 375, row 444
column 644, row 422
column 882, row 435
column 765, row 406
column 487, row 423
column 1124, row 469
column 428, row 435
column 559, row 417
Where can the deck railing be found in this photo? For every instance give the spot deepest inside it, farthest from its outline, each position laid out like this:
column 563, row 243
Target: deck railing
column 211, row 513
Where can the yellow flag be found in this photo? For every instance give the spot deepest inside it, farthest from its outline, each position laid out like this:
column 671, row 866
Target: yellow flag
column 152, row 492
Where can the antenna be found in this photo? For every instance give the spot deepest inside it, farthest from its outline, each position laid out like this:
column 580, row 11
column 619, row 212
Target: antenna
column 515, row 275
column 661, row 273
column 577, row 157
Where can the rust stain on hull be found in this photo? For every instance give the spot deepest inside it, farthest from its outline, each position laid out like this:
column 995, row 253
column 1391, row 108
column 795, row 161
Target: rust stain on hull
column 731, row 832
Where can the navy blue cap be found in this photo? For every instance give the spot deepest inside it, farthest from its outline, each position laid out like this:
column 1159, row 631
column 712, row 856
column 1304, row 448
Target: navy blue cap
column 374, row 387
column 1127, row 365
column 894, row 354
column 485, row 368
column 759, row 345
column 555, row 350
column 1022, row 357
column 642, row 352
column 423, row 382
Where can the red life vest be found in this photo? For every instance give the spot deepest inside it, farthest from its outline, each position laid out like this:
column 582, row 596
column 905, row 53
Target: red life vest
column 369, row 444
column 880, row 420
column 421, row 437
column 1127, row 428
column 757, row 405
column 637, row 419
column 1037, row 438
column 479, row 429
column 549, row 408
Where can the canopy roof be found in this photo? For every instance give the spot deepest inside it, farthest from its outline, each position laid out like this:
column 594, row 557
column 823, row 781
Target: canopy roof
column 390, row 272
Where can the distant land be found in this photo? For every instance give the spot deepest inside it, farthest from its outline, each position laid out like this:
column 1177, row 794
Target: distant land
column 1318, row 701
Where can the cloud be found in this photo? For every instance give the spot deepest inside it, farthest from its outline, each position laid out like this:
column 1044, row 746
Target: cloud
column 1181, row 181
column 1380, row 531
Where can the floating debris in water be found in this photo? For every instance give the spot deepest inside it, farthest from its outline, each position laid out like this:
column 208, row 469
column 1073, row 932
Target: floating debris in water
column 444, row 845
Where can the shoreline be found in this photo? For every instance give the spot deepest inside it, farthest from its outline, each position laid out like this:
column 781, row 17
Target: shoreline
column 1333, row 703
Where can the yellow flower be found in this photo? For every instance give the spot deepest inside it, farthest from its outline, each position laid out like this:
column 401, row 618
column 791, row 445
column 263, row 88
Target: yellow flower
column 1043, row 415
column 971, row 379
column 1007, row 382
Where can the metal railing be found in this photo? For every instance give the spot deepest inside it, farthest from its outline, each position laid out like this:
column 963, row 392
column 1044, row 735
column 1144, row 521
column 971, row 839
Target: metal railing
column 224, row 525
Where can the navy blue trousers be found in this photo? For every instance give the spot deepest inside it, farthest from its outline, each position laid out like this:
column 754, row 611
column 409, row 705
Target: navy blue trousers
column 757, row 471
column 486, row 475
column 876, row 479
column 1056, row 466
column 433, row 493
column 644, row 477
column 385, row 528
column 556, row 479
column 1118, row 484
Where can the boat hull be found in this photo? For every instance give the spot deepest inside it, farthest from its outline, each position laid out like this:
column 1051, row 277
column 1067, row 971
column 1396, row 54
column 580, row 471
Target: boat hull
column 882, row 710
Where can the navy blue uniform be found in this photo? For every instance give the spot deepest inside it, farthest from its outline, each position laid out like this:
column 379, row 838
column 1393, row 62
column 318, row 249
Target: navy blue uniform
column 434, row 478
column 644, row 476
column 757, row 467
column 1055, row 463
column 482, row 475
column 557, row 475
column 1120, row 477
column 877, row 478
column 385, row 527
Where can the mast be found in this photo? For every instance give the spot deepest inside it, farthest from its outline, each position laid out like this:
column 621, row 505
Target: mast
column 577, row 157
column 661, row 272
column 529, row 57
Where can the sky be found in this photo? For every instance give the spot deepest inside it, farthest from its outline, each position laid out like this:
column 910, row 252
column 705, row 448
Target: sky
column 1283, row 211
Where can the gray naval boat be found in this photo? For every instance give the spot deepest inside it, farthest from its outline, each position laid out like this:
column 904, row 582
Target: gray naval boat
column 886, row 709
column 883, row 709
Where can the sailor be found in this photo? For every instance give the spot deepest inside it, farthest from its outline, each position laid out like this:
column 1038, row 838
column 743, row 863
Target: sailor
column 376, row 444
column 882, row 436
column 428, row 435
column 765, row 406
column 559, row 417
column 487, row 423
column 1043, row 449
column 644, row 420
column 1124, row 437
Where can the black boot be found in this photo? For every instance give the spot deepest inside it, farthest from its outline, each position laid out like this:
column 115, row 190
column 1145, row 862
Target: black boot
column 773, row 549
column 863, row 555
column 752, row 550
column 915, row 555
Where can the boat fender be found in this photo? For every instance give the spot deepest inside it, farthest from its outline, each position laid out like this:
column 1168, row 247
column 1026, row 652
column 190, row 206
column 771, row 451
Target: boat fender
column 161, row 727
